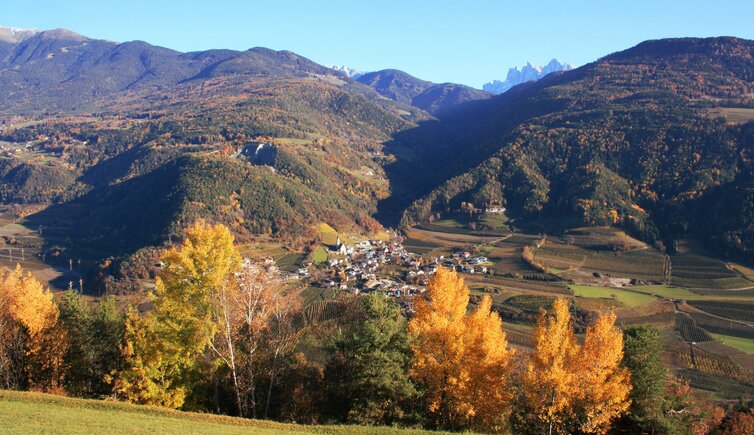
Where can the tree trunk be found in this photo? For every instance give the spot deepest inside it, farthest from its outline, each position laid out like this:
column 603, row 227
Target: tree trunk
column 272, row 381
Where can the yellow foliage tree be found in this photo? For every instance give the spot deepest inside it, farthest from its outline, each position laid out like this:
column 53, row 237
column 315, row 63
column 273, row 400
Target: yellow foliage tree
column 488, row 361
column 549, row 384
column 568, row 387
column 604, row 385
column 28, row 316
column 27, row 301
column 162, row 349
column 462, row 361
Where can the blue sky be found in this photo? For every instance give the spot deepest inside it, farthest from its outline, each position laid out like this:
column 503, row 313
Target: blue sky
column 468, row 42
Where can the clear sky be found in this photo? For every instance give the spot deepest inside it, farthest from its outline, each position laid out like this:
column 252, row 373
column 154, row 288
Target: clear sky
column 470, row 42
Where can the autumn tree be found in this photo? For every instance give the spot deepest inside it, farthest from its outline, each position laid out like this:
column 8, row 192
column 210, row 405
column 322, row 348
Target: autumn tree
column 738, row 423
column 461, row 361
column 163, row 349
column 302, row 390
column 31, row 343
column 549, row 385
column 247, row 311
column 567, row 387
column 367, row 376
column 603, row 385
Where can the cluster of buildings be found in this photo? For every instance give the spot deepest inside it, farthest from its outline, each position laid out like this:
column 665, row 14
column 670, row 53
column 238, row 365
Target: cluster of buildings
column 8, row 150
column 385, row 267
column 369, row 266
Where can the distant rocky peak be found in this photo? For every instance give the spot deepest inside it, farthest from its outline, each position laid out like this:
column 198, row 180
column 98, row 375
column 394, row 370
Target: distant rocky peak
column 350, row 72
column 525, row 74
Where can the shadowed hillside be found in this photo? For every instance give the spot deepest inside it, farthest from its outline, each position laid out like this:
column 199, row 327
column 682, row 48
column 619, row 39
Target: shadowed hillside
column 638, row 138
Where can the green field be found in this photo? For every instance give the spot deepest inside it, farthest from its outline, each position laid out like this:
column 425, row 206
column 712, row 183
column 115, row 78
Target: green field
column 37, row 413
column 733, row 114
column 627, row 298
column 668, row 292
column 740, row 343
column 319, row 255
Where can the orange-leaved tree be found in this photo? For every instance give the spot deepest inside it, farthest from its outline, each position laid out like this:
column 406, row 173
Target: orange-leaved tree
column 462, row 361
column 549, row 384
column 567, row 387
column 603, row 384
column 31, row 347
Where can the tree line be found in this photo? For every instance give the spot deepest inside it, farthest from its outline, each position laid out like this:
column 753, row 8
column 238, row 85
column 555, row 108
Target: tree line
column 223, row 334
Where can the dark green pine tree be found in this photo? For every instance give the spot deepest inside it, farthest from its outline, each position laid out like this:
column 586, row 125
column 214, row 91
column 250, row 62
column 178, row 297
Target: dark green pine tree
column 76, row 315
column 367, row 375
column 641, row 356
column 94, row 336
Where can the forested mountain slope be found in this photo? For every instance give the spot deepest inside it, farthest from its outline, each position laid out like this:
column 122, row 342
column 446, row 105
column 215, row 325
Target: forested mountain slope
column 436, row 99
column 656, row 138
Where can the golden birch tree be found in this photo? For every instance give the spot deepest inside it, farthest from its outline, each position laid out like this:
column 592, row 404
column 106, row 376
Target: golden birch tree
column 164, row 348
column 462, row 361
column 603, row 385
column 550, row 384
column 31, row 347
column 570, row 388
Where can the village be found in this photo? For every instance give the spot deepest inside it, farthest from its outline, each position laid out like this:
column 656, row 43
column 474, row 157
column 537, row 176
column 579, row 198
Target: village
column 381, row 266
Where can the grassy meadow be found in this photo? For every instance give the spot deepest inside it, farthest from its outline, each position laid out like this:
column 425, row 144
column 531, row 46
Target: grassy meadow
column 38, row 413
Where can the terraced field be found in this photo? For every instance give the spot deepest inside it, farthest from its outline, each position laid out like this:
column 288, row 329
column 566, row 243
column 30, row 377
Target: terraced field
column 732, row 310
column 743, row 344
column 595, row 266
column 723, row 326
column 645, row 264
column 699, row 271
column 688, row 329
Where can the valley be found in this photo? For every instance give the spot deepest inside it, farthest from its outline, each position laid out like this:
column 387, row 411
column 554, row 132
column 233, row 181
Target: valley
column 144, row 186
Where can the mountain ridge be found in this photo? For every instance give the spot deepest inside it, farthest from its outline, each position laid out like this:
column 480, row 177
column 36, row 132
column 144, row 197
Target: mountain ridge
column 525, row 74
column 431, row 97
column 635, row 135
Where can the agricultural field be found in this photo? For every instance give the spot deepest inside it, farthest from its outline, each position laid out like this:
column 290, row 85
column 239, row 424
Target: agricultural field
column 692, row 269
column 641, row 263
column 20, row 244
column 285, row 258
column 486, row 224
column 733, row 115
column 668, row 292
column 627, row 298
column 740, row 343
column 722, row 326
column 689, row 331
column 732, row 310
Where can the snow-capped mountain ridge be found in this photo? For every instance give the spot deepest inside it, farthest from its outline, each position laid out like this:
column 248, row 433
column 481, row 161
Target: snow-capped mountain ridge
column 527, row 73
column 16, row 34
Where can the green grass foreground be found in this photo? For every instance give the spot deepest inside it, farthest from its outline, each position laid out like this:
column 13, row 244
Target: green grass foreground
column 39, row 413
